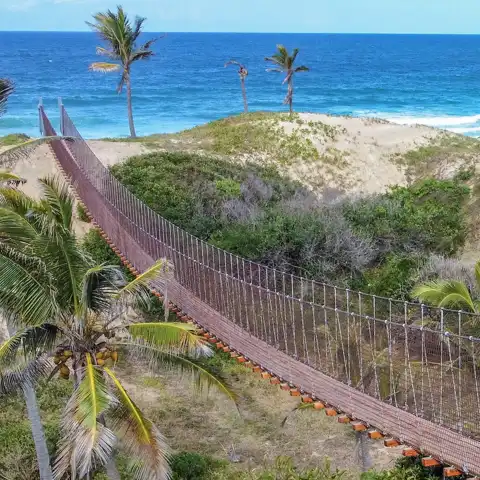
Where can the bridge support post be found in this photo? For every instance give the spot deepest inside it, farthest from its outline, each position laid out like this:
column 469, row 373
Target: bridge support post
column 40, row 118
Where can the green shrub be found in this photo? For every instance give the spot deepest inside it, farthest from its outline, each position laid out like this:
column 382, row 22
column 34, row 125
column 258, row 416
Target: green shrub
column 13, row 139
column 192, row 466
column 82, row 213
column 394, row 278
column 407, row 468
column 190, row 190
column 228, row 188
column 95, row 245
column 426, row 217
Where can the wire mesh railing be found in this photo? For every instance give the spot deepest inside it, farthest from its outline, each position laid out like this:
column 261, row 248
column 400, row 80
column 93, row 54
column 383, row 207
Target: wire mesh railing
column 419, row 359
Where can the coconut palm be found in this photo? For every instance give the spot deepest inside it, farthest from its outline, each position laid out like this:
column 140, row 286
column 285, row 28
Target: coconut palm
column 450, row 293
column 72, row 320
column 243, row 74
column 117, row 31
column 284, row 63
column 8, row 158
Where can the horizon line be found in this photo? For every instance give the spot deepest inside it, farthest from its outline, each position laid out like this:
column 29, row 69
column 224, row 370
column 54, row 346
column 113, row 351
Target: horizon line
column 258, row 33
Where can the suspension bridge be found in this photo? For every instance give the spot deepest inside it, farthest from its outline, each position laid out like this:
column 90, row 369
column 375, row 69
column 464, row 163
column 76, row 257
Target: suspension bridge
column 396, row 369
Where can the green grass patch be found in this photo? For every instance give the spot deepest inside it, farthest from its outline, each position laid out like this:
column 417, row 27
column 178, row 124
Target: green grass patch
column 13, row 139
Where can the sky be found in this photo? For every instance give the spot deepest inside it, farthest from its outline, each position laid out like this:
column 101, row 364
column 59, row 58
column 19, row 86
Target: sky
column 338, row 16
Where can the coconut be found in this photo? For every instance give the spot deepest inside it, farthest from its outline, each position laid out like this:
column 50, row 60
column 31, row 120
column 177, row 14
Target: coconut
column 114, row 356
column 67, row 353
column 100, row 361
column 56, row 360
column 99, row 355
column 64, row 370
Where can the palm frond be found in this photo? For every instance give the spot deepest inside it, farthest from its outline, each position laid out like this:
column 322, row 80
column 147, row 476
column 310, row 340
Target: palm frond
column 138, row 436
column 203, row 378
column 180, row 338
column 477, row 274
column 59, row 200
column 449, row 294
column 302, row 68
column 104, row 67
column 233, row 62
column 104, row 52
column 31, row 341
column 6, row 89
column 141, row 55
column 17, row 376
column 100, row 285
column 278, row 70
column 7, row 176
column 86, row 443
column 15, row 230
column 139, row 286
column 22, row 151
column 26, row 287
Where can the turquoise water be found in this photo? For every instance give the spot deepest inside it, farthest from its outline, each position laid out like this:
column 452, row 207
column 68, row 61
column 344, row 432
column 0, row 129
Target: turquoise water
column 434, row 80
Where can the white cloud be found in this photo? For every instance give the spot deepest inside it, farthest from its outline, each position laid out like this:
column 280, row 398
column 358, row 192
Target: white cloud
column 22, row 5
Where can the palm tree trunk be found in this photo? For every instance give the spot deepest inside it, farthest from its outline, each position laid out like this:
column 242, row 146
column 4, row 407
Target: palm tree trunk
column 290, row 94
column 129, row 106
column 43, row 457
column 244, row 93
column 4, row 334
column 112, row 471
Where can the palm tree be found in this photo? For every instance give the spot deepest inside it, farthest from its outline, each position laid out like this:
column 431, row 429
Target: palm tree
column 67, row 308
column 243, row 74
column 449, row 293
column 116, row 30
column 7, row 159
column 285, row 64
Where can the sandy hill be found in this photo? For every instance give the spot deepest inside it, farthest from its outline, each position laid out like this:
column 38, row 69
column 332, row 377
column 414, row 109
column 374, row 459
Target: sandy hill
column 331, row 155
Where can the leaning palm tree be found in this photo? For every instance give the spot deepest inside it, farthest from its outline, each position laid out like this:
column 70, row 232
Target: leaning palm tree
column 284, row 63
column 449, row 293
column 116, row 30
column 243, row 74
column 72, row 320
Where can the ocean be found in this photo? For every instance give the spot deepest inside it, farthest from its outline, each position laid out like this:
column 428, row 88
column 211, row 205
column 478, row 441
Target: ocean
column 428, row 79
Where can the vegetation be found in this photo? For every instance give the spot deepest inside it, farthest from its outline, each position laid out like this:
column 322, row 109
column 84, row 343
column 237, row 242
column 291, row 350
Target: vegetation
column 285, row 63
column 117, row 31
column 377, row 243
column 243, row 74
column 13, row 139
column 66, row 306
column 82, row 213
column 450, row 294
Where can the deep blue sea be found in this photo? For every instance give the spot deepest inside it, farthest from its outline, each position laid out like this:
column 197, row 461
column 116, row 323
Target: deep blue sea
column 434, row 80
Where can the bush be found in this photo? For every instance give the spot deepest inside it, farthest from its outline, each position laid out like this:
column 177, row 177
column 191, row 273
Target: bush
column 407, row 468
column 189, row 190
column 192, row 466
column 82, row 213
column 394, row 278
column 426, row 217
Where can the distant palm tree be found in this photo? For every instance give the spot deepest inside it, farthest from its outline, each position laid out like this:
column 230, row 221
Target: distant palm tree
column 116, row 30
column 285, row 64
column 242, row 73
column 449, row 293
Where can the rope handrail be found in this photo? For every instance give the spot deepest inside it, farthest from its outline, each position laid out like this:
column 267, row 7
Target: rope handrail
column 417, row 367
